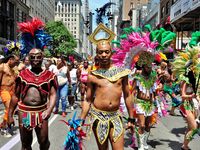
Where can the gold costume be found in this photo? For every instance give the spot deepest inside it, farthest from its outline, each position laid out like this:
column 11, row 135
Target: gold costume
column 103, row 121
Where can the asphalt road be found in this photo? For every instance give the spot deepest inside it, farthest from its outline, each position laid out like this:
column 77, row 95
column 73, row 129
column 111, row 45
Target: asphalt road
column 166, row 135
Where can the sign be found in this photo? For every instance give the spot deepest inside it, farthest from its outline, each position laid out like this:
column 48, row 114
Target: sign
column 182, row 7
column 195, row 3
column 175, row 10
column 185, row 5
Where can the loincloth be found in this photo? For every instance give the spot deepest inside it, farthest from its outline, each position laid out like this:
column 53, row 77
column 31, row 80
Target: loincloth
column 103, row 121
column 146, row 108
column 31, row 115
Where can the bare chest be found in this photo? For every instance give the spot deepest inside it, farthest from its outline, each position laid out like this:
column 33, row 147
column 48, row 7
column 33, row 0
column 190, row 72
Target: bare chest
column 105, row 84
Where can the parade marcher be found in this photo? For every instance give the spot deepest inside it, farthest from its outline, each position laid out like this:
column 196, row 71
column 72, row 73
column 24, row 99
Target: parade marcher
column 7, row 80
column 82, row 77
column 25, row 64
column 107, row 83
column 35, row 91
column 74, row 82
column 142, row 49
column 64, row 82
column 7, row 86
column 186, row 67
column 96, row 63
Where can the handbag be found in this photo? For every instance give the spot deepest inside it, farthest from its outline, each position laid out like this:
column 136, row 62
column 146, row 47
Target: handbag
column 61, row 80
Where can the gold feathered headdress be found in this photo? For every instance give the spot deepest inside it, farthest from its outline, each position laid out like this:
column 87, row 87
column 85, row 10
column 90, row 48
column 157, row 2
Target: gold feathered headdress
column 187, row 61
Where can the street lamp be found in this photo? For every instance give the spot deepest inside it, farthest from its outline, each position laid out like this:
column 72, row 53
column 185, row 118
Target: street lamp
column 134, row 15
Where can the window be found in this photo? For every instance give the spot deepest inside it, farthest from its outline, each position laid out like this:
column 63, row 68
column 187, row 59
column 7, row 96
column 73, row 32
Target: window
column 7, row 8
column 167, row 8
column 1, row 29
column 17, row 14
column 8, row 31
column 162, row 11
column 56, row 8
column 174, row 1
column 69, row 7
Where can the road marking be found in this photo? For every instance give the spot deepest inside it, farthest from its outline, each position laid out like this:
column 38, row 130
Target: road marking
column 16, row 139
column 11, row 143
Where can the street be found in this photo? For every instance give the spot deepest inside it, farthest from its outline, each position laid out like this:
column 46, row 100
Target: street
column 166, row 135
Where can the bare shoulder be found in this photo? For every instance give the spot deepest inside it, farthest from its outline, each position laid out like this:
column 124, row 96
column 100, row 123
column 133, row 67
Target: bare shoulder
column 91, row 77
column 1, row 67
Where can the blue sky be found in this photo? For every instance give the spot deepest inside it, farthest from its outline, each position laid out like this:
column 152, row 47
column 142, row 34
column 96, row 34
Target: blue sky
column 93, row 4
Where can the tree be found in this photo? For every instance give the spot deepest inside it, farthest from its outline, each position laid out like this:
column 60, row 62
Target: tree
column 63, row 41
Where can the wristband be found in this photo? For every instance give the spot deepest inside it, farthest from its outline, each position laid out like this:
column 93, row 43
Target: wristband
column 131, row 120
column 83, row 122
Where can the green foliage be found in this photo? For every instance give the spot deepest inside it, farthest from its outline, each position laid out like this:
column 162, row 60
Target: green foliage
column 47, row 53
column 63, row 40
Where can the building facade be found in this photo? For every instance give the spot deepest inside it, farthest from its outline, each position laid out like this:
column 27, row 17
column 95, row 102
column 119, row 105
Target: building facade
column 69, row 12
column 87, row 16
column 43, row 9
column 165, row 6
column 133, row 12
column 11, row 12
column 184, row 16
column 114, row 18
column 153, row 14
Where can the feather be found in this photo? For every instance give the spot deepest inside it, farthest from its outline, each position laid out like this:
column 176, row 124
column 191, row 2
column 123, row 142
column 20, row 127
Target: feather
column 101, row 12
column 33, row 35
column 73, row 140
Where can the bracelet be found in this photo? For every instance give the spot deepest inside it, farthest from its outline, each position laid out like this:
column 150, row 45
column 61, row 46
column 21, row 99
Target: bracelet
column 131, row 120
column 83, row 122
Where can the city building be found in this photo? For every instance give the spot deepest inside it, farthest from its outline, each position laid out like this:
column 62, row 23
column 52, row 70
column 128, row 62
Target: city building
column 11, row 12
column 133, row 12
column 69, row 12
column 114, row 15
column 165, row 6
column 43, row 9
column 87, row 16
column 184, row 16
column 153, row 14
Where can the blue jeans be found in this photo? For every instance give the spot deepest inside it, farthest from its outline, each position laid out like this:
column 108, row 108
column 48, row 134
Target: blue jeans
column 62, row 94
column 73, row 90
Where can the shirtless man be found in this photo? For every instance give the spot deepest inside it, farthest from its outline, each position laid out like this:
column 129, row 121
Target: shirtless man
column 7, row 84
column 143, row 90
column 35, row 95
column 107, row 83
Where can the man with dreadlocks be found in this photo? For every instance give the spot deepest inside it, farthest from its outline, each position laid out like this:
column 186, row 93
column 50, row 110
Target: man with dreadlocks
column 35, row 91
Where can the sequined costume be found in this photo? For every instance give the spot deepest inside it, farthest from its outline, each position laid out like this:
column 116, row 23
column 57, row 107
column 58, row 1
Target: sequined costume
column 31, row 115
column 103, row 121
column 146, row 86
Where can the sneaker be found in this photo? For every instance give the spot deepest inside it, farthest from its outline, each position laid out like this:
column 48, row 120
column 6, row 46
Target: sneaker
column 6, row 133
column 63, row 114
column 55, row 112
column 72, row 108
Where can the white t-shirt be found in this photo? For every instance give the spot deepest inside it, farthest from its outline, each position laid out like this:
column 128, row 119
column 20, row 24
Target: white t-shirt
column 53, row 69
column 62, row 72
column 73, row 76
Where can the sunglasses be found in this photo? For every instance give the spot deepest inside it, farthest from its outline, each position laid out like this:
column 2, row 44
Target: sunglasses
column 35, row 57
